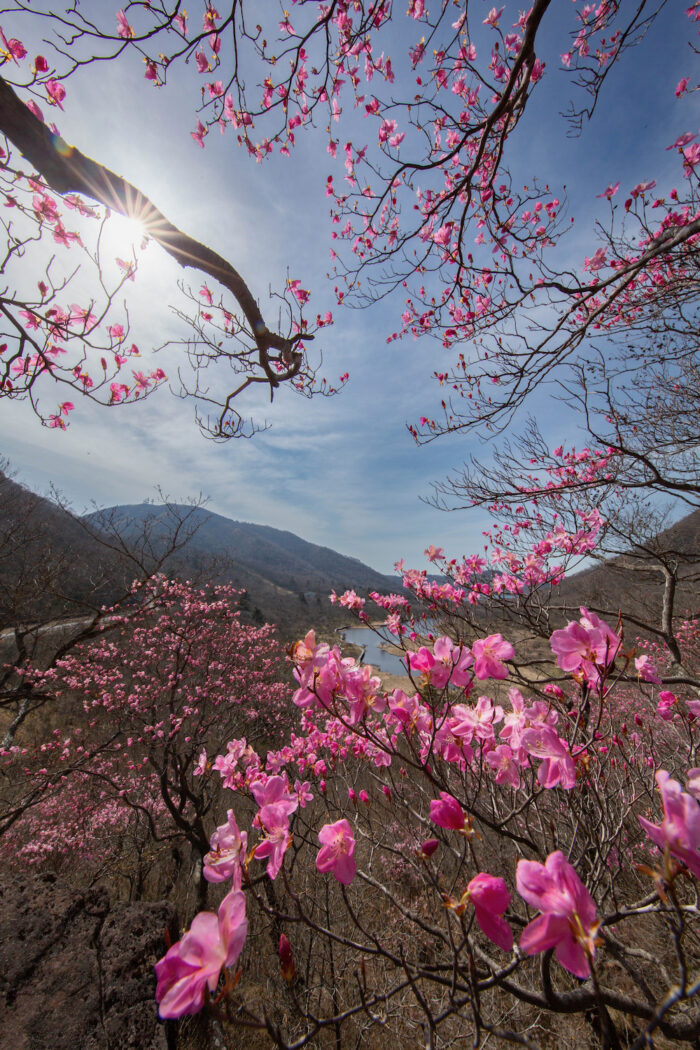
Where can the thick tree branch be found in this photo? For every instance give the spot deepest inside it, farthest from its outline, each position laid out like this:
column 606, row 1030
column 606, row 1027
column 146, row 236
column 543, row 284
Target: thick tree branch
column 66, row 170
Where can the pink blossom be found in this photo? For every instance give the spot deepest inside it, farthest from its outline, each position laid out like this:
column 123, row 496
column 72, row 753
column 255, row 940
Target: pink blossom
column 337, row 851
column 557, row 767
column 568, row 920
column 303, row 792
column 679, row 831
column 502, row 761
column 646, row 670
column 490, row 897
column 31, row 105
column 274, row 792
column 199, row 134
column 195, row 962
column 492, row 17
column 446, row 812
column 642, row 187
column 587, row 646
column 124, row 30
column 387, row 128
column 610, row 191
column 299, row 293
column 596, row 262
column 489, row 654
column 275, row 822
column 691, row 158
column 56, row 92
column 15, row 48
column 227, row 853
column 665, row 706
column 682, row 87
column 442, row 236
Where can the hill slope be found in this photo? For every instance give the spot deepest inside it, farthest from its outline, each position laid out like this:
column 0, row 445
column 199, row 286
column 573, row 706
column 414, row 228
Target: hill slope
column 634, row 581
column 50, row 564
column 287, row 579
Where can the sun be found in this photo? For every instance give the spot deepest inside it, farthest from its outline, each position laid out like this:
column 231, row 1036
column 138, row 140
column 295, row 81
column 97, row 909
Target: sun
column 124, row 234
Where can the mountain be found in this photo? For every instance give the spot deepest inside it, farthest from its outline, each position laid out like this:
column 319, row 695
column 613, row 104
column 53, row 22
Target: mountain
column 51, row 565
column 633, row 581
column 286, row 579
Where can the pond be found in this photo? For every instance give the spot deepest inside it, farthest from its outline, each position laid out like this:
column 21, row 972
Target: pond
column 390, row 663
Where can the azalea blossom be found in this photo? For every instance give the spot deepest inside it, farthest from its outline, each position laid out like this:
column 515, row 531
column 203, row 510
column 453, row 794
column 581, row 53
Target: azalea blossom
column 275, row 821
column 646, row 670
column 568, row 921
column 194, row 963
column 337, row 851
column 446, row 812
column 679, row 831
column 227, row 853
column 489, row 654
column 587, row 647
column 490, row 897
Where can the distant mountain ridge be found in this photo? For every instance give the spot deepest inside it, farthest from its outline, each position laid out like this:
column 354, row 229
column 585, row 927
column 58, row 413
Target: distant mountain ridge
column 282, row 573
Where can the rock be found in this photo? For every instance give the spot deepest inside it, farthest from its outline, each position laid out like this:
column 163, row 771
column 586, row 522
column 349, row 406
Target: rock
column 75, row 973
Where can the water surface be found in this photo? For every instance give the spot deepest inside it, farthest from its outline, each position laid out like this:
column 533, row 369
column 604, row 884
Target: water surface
column 390, row 663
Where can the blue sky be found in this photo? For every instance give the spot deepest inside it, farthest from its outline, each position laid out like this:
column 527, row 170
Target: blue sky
column 341, row 472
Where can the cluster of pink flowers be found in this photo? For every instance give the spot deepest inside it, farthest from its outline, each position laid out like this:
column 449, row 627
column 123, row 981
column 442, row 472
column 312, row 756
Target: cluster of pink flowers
column 587, row 648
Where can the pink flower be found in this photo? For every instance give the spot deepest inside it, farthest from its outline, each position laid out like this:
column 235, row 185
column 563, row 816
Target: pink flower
column 442, row 236
column 586, row 646
column 489, row 654
column 56, row 92
column 490, row 898
column 558, row 766
column 337, row 851
column 199, row 134
column 453, row 665
column 274, row 792
column 691, row 158
column 679, row 831
column 195, row 962
column 227, row 853
column 303, row 793
column 31, row 105
column 492, row 17
column 387, row 128
column 610, row 191
column 681, row 87
column 446, row 812
column 277, row 839
column 645, row 670
column 667, row 702
column 568, row 920
column 123, row 28
column 596, row 262
column 502, row 761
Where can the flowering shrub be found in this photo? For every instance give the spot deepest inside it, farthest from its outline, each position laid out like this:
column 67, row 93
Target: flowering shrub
column 167, row 682
column 476, row 851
